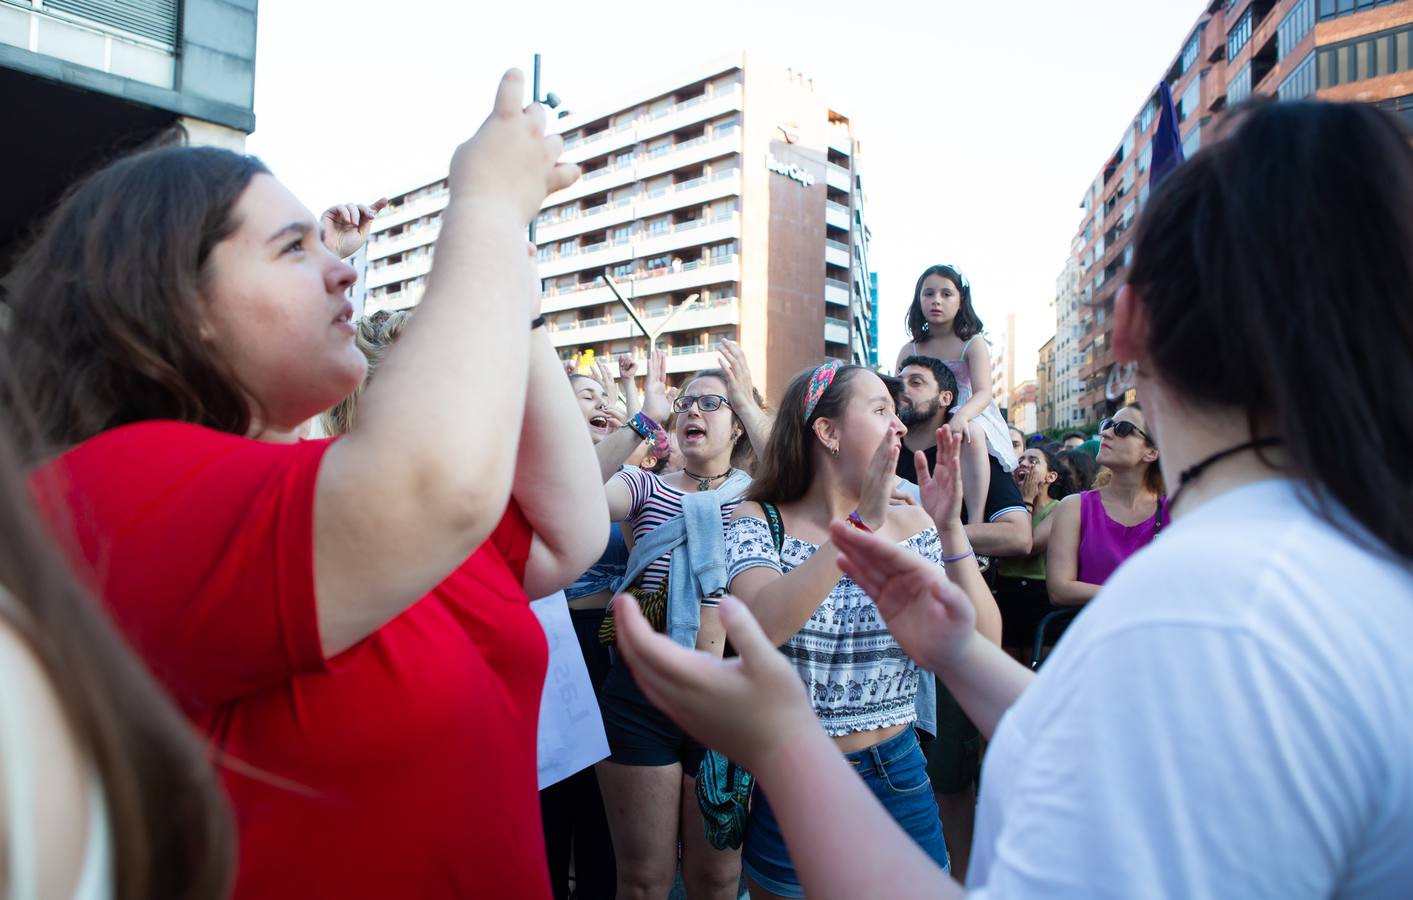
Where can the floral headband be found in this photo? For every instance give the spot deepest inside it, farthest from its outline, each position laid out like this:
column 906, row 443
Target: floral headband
column 820, row 380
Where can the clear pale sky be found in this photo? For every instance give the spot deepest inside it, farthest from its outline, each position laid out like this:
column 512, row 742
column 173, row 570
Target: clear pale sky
column 981, row 122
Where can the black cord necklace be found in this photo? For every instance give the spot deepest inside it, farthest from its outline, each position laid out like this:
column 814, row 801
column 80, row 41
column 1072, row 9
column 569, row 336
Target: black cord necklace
column 1191, row 473
column 704, row 481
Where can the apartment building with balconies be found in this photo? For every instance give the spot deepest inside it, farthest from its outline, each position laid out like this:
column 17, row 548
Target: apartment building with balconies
column 755, row 207
column 1358, row 50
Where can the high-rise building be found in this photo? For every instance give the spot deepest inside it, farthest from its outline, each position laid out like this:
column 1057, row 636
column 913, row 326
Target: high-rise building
column 1065, row 386
column 1291, row 49
column 83, row 81
column 736, row 183
column 1045, row 387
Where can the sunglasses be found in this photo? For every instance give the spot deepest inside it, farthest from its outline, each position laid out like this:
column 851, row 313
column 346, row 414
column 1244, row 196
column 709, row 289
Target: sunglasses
column 1123, row 429
column 704, row 402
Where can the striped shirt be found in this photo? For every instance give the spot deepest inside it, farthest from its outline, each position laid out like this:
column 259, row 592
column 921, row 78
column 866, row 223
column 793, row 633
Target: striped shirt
column 654, row 502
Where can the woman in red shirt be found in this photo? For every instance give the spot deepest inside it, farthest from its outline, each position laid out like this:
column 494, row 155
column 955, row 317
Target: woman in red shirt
column 344, row 620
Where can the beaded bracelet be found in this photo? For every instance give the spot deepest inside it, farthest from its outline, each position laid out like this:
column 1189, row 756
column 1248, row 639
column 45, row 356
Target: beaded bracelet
column 857, row 521
column 958, row 558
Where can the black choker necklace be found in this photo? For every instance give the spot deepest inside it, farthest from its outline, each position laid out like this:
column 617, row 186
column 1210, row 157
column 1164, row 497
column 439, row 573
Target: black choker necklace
column 1191, row 473
column 704, row 481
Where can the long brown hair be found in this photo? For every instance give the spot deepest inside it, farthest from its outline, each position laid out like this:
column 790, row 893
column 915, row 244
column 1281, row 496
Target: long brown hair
column 172, row 833
column 785, row 470
column 1277, row 286
column 105, row 305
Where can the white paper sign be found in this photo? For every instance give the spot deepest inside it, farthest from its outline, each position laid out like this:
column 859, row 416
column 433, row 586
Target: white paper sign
column 571, row 736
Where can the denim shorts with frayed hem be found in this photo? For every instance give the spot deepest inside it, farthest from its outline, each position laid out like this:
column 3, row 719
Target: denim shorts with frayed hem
column 896, row 772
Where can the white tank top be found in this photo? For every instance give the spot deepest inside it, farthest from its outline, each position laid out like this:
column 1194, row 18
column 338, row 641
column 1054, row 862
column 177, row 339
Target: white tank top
column 18, row 771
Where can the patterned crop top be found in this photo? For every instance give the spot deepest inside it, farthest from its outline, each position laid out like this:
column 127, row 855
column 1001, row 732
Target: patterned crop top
column 858, row 678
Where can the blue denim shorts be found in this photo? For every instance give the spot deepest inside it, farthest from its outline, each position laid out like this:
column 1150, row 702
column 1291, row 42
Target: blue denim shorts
column 896, row 770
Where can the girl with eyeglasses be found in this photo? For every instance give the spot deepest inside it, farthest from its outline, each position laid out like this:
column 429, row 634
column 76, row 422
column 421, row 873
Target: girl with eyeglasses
column 944, row 325
column 677, row 519
column 1095, row 531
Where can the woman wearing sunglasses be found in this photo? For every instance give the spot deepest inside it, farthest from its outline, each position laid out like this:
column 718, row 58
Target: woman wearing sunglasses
column 677, row 571
column 1095, row 531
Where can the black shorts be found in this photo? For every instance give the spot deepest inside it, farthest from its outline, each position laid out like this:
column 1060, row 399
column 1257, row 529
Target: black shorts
column 1023, row 603
column 639, row 734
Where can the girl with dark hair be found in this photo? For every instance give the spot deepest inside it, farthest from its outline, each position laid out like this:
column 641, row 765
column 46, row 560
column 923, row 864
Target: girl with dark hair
column 1080, row 465
column 346, row 621
column 1020, row 581
column 1231, row 717
column 943, row 325
column 676, row 571
column 103, row 792
column 1095, row 531
column 832, row 456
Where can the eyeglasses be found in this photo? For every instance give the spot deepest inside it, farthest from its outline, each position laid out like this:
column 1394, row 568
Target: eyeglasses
column 704, row 402
column 1123, row 429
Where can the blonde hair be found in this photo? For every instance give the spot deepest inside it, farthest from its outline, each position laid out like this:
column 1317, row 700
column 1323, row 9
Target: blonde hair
column 376, row 333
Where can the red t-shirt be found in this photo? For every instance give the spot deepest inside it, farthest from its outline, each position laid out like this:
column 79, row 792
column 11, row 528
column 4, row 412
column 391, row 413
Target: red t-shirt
column 403, row 767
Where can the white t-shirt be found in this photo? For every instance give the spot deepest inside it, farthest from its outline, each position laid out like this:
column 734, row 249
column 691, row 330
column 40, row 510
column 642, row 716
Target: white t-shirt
column 1231, row 717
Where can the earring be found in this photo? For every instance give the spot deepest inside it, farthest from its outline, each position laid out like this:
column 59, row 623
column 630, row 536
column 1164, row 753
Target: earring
column 834, row 450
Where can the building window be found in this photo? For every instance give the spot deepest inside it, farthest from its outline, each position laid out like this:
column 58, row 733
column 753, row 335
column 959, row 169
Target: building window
column 1190, row 100
column 1367, row 56
column 1190, row 51
column 1299, row 83
column 1293, row 28
column 1239, row 88
column 1145, row 118
column 1330, row 9
column 1239, row 34
column 1192, row 143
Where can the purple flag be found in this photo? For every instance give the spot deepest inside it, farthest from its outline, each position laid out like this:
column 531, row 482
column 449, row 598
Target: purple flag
column 1167, row 143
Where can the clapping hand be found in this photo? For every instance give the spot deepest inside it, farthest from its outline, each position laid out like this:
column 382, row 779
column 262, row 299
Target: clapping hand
column 739, row 388
column 656, row 405
column 931, row 618
column 941, row 489
column 605, row 378
column 879, row 481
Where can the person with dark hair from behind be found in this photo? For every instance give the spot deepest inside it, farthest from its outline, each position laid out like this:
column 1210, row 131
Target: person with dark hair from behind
column 927, row 390
column 347, row 620
column 1231, row 716
column 1020, row 581
column 104, row 792
column 1095, row 531
column 1072, row 439
column 1081, row 467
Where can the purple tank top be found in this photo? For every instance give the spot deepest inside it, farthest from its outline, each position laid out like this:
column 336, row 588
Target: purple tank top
column 1104, row 543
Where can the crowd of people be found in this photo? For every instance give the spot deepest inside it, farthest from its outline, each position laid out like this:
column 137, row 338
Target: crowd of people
column 241, row 660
